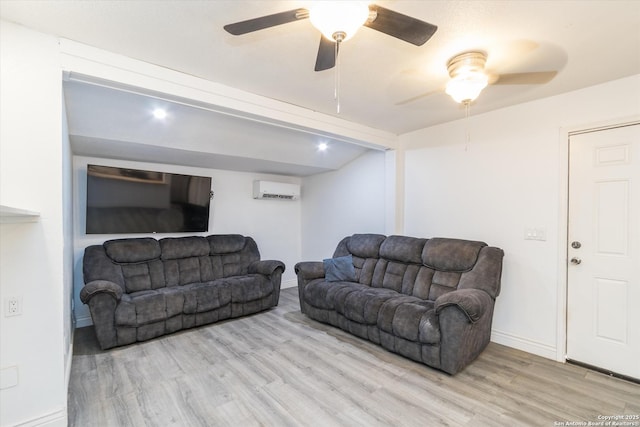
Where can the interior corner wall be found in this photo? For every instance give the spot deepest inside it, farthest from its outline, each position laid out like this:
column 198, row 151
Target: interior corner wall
column 343, row 202
column 274, row 224
column 506, row 179
column 33, row 267
column 67, row 253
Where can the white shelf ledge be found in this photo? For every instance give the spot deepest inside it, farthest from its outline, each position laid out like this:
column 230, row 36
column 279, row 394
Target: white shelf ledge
column 9, row 215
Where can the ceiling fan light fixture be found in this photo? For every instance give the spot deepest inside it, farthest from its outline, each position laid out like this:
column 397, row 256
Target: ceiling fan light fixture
column 338, row 19
column 465, row 88
column 467, row 76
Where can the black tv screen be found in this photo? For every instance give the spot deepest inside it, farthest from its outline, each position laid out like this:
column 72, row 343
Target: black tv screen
column 137, row 201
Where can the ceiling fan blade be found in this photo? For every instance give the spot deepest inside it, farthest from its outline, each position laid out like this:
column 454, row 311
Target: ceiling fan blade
column 267, row 21
column 326, row 55
column 417, row 97
column 532, row 78
column 401, row 26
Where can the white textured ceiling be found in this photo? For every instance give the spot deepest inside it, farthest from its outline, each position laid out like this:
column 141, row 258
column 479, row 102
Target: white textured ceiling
column 383, row 80
column 118, row 123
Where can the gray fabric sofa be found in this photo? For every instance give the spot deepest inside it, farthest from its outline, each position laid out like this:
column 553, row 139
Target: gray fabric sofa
column 141, row 288
column 430, row 300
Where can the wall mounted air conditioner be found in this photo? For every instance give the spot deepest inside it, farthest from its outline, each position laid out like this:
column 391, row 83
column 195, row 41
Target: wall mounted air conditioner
column 275, row 190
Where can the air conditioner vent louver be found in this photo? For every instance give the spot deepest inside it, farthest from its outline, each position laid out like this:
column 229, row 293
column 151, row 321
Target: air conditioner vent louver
column 275, row 190
column 277, row 196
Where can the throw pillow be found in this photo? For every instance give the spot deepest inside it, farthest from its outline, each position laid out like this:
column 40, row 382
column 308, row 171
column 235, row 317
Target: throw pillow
column 339, row 269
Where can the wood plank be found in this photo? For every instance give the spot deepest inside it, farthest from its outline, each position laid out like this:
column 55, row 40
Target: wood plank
column 280, row 368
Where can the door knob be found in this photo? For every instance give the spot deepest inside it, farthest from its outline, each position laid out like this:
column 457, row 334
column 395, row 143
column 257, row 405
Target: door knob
column 576, row 245
column 575, row 260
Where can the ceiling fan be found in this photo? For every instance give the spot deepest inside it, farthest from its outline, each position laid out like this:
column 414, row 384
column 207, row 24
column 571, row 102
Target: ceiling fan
column 338, row 21
column 468, row 77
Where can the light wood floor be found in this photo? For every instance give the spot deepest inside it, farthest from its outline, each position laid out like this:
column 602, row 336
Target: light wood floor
column 279, row 368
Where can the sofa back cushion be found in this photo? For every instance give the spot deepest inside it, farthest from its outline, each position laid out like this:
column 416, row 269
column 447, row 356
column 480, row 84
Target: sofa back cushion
column 226, row 243
column 399, row 263
column 139, row 261
column 446, row 260
column 141, row 264
column 185, row 260
column 452, row 255
column 365, row 251
column 231, row 254
column 404, row 249
column 132, row 250
column 96, row 265
column 423, row 268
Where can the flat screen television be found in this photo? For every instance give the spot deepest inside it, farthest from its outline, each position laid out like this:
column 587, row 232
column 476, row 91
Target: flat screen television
column 123, row 200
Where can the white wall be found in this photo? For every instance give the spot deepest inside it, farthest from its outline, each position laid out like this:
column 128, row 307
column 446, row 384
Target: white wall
column 33, row 265
column 343, row 202
column 507, row 178
column 274, row 224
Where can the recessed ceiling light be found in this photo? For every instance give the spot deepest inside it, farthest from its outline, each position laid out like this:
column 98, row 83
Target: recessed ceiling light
column 159, row 113
column 322, row 146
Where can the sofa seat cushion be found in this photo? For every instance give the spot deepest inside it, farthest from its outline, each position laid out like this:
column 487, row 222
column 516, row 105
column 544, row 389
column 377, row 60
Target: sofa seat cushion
column 201, row 297
column 248, row 288
column 322, row 294
column 411, row 318
column 145, row 307
column 141, row 308
column 362, row 305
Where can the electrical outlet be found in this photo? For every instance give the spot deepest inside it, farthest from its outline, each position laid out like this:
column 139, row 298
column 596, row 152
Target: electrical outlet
column 13, row 306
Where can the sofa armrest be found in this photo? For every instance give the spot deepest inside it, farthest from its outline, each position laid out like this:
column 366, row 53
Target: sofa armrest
column 100, row 287
column 306, row 272
column 465, row 327
column 473, row 302
column 266, row 267
column 309, row 270
column 273, row 270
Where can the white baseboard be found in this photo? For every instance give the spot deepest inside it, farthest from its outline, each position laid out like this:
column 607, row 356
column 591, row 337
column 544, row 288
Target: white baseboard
column 291, row 283
column 83, row 321
column 54, row 419
column 524, row 344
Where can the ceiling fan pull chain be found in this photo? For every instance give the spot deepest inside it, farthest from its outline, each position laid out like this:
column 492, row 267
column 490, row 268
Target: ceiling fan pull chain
column 336, row 91
column 467, row 108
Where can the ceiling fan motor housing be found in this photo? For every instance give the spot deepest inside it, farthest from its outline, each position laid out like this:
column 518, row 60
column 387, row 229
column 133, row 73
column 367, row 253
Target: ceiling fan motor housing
column 466, row 63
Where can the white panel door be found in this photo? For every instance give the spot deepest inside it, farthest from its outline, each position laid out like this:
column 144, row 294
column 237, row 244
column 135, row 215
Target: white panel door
column 603, row 300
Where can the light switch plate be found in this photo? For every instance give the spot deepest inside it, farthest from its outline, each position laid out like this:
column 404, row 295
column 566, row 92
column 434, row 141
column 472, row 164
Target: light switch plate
column 535, row 233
